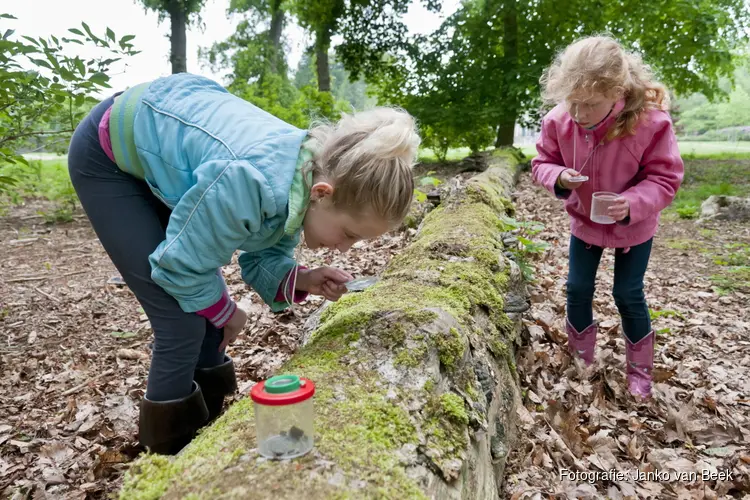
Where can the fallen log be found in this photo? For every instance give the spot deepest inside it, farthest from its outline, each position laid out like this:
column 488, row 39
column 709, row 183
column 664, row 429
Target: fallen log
column 416, row 381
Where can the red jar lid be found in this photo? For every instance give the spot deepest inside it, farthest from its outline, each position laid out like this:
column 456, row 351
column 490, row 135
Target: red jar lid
column 282, row 390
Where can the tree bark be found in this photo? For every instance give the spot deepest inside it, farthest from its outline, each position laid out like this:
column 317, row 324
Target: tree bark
column 322, row 44
column 506, row 131
column 277, row 24
column 416, row 388
column 178, row 37
column 506, row 127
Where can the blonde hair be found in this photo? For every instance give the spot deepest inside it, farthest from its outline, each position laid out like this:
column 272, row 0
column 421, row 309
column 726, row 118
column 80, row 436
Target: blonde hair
column 367, row 157
column 600, row 65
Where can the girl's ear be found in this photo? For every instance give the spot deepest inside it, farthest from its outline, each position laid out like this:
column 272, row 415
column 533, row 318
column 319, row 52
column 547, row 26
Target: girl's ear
column 321, row 190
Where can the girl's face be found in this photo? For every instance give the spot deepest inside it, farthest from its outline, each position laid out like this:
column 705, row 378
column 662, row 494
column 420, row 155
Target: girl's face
column 591, row 109
column 326, row 226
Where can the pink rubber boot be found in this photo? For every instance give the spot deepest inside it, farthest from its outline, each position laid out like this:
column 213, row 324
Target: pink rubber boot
column 581, row 345
column 640, row 365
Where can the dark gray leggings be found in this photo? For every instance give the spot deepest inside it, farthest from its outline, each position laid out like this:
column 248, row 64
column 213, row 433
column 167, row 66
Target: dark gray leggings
column 130, row 223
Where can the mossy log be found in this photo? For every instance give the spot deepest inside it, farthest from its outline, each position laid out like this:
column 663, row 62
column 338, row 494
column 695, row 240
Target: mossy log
column 416, row 380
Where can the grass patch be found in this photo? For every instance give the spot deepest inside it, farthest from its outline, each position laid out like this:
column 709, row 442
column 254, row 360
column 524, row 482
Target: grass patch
column 732, row 279
column 685, row 244
column 426, row 155
column 693, row 150
column 664, row 313
column 714, row 150
column 45, row 179
column 705, row 178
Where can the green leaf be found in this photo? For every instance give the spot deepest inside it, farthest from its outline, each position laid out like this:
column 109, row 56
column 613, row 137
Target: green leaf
column 123, row 335
column 90, row 34
column 99, row 78
column 79, row 65
column 76, row 31
column 430, row 181
column 32, row 40
column 10, row 181
column 7, row 16
column 124, row 41
column 111, row 34
column 40, row 62
column 67, row 74
column 8, row 33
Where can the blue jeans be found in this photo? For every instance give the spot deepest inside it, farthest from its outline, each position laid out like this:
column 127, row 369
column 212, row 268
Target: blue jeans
column 130, row 222
column 628, row 290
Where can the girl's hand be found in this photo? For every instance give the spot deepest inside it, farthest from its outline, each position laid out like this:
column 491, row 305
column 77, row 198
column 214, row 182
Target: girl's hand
column 565, row 181
column 233, row 328
column 619, row 209
column 325, row 281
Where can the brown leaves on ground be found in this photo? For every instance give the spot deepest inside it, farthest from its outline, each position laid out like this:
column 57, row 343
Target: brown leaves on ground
column 75, row 353
column 577, row 419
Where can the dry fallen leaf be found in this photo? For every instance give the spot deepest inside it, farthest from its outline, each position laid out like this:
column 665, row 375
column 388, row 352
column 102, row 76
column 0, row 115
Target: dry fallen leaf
column 131, row 354
column 634, row 450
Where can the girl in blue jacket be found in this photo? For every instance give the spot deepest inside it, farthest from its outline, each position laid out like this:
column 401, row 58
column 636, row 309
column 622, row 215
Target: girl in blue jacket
column 177, row 174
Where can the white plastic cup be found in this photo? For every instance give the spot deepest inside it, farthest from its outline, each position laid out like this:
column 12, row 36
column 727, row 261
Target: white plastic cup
column 600, row 203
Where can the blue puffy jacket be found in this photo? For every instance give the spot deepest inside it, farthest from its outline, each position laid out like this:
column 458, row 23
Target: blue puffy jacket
column 226, row 169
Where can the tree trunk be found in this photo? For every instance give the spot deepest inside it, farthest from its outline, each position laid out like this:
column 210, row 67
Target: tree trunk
column 506, row 127
column 416, row 388
column 322, row 44
column 506, row 131
column 277, row 24
column 178, row 38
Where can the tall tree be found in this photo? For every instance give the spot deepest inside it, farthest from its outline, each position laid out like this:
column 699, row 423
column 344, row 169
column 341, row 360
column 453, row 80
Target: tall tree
column 343, row 87
column 254, row 53
column 360, row 22
column 181, row 13
column 270, row 16
column 321, row 18
column 485, row 61
column 256, row 67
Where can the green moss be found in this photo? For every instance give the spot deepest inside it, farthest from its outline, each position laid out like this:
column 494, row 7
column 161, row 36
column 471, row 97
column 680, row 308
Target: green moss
column 482, row 193
column 453, row 408
column 429, row 386
column 499, row 348
column 472, row 391
column 152, row 475
column 410, row 357
column 445, row 428
column 450, row 348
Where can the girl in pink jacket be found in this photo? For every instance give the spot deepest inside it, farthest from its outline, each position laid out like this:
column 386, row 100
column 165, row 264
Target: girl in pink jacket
column 610, row 132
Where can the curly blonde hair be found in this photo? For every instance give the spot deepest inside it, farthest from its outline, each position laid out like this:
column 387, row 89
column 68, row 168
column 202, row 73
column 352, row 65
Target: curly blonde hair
column 600, row 65
column 368, row 157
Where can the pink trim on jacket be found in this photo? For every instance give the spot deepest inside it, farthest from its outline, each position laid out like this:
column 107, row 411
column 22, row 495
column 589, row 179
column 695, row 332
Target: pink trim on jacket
column 104, row 138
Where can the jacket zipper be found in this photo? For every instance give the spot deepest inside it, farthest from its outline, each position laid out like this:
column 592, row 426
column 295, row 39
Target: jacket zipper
column 594, row 178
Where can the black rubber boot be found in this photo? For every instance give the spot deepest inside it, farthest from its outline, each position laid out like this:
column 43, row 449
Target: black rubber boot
column 216, row 382
column 165, row 427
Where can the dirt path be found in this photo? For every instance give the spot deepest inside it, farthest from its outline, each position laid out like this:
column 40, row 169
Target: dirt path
column 584, row 421
column 74, row 353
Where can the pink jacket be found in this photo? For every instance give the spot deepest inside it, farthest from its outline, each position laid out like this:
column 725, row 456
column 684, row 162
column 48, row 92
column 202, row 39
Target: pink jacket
column 645, row 168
